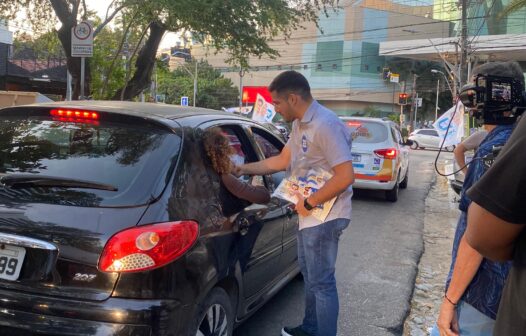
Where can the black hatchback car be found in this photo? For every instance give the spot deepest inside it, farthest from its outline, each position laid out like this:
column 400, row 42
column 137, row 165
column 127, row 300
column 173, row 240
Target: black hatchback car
column 113, row 223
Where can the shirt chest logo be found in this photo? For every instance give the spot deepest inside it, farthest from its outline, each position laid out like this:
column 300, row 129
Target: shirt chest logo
column 304, row 144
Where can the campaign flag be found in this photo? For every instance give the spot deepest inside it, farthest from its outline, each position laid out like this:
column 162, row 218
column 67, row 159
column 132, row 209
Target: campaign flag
column 456, row 129
column 263, row 111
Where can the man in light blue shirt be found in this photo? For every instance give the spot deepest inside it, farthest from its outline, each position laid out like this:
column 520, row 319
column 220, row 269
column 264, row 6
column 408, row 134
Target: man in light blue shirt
column 319, row 140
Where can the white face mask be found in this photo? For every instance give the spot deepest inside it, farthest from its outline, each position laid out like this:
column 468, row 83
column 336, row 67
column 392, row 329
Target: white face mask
column 236, row 159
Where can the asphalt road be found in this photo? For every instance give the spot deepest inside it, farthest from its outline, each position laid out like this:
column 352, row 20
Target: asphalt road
column 376, row 267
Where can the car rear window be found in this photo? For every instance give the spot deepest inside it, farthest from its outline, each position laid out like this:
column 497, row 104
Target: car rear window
column 367, row 131
column 135, row 158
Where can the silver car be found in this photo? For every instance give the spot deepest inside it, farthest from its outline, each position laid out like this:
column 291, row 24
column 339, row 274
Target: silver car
column 427, row 138
column 380, row 157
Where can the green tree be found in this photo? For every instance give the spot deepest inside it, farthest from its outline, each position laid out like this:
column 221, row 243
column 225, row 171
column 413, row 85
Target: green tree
column 372, row 112
column 213, row 89
column 243, row 28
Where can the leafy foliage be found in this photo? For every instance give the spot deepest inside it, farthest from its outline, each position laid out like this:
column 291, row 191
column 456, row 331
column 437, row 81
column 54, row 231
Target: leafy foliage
column 213, row 90
column 241, row 27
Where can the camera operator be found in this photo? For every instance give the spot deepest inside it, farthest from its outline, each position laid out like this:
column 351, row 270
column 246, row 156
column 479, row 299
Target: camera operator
column 474, row 284
column 497, row 218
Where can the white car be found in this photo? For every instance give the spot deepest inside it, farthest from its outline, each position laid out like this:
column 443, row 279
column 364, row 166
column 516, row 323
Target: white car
column 380, row 158
column 427, row 138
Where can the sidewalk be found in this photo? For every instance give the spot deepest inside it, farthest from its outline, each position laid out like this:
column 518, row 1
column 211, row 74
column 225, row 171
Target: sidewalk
column 440, row 218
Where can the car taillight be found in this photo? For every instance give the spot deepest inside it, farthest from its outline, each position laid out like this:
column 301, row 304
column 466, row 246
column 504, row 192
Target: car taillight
column 146, row 247
column 388, row 153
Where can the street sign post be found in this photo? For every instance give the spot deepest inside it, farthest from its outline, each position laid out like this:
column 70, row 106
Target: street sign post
column 394, row 78
column 184, row 101
column 82, row 46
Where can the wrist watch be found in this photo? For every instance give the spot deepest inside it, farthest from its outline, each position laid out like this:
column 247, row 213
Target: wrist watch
column 306, row 205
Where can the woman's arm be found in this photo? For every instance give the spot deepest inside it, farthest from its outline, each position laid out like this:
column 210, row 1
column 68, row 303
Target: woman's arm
column 245, row 191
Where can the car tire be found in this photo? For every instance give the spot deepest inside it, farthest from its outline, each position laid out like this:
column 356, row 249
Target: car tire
column 403, row 184
column 215, row 315
column 392, row 195
column 414, row 145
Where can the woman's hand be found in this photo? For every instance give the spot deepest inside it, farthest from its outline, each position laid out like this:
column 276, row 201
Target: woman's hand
column 447, row 322
column 237, row 171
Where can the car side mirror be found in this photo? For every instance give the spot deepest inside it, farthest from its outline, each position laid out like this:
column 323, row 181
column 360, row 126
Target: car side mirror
column 253, row 212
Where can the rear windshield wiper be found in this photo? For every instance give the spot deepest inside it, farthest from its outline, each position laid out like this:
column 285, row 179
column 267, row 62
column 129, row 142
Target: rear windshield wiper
column 18, row 181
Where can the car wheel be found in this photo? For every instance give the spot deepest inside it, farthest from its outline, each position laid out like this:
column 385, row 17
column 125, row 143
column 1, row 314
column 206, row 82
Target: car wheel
column 392, row 195
column 414, row 145
column 403, row 184
column 215, row 316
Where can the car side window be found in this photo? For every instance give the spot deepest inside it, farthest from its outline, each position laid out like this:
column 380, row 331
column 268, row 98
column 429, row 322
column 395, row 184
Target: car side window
column 269, row 146
column 396, row 135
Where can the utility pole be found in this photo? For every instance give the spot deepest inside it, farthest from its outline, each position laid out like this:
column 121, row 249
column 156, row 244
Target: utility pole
column 195, row 81
column 413, row 101
column 436, row 104
column 463, row 44
column 241, row 74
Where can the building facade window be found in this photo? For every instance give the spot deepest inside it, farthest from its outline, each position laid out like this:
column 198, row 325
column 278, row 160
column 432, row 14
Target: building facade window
column 329, row 56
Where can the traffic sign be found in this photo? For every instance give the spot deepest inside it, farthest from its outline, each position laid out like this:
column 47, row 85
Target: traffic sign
column 184, row 101
column 395, row 78
column 82, row 40
column 419, row 102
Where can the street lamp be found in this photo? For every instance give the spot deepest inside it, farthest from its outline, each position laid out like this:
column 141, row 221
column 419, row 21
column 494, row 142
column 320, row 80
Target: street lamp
column 447, row 81
column 194, row 76
column 438, row 87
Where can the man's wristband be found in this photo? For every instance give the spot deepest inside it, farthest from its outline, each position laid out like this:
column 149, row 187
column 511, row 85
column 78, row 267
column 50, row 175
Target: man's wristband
column 449, row 300
column 306, row 205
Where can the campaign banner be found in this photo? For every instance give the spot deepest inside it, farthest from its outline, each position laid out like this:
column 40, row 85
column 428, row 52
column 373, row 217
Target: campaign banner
column 456, row 129
column 263, row 111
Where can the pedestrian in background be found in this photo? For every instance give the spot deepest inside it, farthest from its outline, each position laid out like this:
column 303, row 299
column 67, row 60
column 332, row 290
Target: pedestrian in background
column 319, row 139
column 471, row 143
column 474, row 284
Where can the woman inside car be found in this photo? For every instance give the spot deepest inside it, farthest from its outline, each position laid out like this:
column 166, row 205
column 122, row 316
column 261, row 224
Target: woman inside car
column 219, row 151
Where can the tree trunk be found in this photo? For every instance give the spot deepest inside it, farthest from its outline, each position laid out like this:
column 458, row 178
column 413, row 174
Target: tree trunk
column 144, row 64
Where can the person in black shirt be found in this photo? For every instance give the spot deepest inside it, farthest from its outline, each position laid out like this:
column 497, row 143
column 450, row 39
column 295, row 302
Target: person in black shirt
column 496, row 222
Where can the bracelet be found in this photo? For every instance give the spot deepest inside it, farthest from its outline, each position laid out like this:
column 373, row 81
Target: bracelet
column 454, row 304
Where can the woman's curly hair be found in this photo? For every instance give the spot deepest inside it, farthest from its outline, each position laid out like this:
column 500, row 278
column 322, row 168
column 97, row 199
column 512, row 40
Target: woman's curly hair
column 218, row 149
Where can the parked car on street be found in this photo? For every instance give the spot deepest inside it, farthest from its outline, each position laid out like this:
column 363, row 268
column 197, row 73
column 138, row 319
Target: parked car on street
column 112, row 222
column 380, row 157
column 427, row 138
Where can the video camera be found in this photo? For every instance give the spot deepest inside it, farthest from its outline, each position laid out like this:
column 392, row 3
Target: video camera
column 491, row 96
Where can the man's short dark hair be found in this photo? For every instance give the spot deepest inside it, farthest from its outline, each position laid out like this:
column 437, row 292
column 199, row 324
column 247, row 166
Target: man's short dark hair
column 502, row 69
column 291, row 82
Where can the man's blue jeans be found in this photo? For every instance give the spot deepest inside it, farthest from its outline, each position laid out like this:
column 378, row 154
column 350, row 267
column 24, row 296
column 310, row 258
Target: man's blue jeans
column 317, row 252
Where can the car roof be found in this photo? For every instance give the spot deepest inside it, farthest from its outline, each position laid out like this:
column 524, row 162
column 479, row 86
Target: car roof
column 156, row 111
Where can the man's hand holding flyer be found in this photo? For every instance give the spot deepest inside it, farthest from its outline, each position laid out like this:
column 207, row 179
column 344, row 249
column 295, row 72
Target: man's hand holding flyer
column 305, row 185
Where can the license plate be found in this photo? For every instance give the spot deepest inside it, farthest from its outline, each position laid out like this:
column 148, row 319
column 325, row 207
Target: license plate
column 11, row 259
column 356, row 158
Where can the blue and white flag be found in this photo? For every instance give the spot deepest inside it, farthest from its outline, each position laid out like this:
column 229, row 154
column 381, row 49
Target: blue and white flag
column 456, row 129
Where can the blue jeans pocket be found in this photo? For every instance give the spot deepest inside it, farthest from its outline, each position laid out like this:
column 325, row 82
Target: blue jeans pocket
column 341, row 225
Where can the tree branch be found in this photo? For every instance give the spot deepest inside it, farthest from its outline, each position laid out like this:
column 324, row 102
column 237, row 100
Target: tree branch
column 110, row 69
column 128, row 65
column 61, row 8
column 144, row 63
column 85, row 14
column 75, row 10
column 108, row 19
